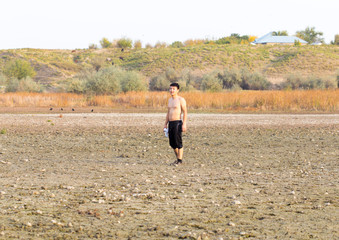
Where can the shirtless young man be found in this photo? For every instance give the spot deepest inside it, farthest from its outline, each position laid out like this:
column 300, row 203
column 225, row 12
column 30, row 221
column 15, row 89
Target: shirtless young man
column 176, row 107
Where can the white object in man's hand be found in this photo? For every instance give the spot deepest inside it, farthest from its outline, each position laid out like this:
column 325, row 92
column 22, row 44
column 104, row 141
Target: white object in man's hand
column 166, row 132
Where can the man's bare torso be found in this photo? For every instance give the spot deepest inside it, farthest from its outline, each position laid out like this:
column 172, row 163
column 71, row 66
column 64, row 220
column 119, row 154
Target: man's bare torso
column 174, row 109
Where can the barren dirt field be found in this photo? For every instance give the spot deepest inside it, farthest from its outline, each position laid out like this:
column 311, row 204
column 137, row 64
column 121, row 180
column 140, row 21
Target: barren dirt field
column 107, row 176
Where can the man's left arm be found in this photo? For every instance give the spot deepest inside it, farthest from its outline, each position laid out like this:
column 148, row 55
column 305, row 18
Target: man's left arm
column 184, row 111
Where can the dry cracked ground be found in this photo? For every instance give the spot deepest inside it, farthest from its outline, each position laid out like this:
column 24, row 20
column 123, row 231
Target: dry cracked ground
column 107, row 176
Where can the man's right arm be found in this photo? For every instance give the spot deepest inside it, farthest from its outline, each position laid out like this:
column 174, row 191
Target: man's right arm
column 167, row 119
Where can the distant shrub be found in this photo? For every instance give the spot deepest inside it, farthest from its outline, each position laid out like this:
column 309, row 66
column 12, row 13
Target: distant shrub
column 297, row 43
column 311, row 82
column 93, row 46
column 132, row 81
column 124, row 43
column 230, row 78
column 105, row 81
column 12, row 85
column 336, row 40
column 319, row 83
column 292, row 82
column 160, row 45
column 3, row 79
column 148, row 46
column 224, row 40
column 193, row 42
column 137, row 44
column 76, row 85
column 177, row 44
column 253, row 81
column 211, row 82
column 105, row 43
column 162, row 81
column 171, row 75
column 110, row 80
column 187, row 81
column 98, row 62
column 19, row 69
column 159, row 83
column 234, row 38
column 27, row 84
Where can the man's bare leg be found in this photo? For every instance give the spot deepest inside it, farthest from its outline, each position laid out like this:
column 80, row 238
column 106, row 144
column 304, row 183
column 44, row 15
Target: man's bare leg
column 176, row 152
column 180, row 153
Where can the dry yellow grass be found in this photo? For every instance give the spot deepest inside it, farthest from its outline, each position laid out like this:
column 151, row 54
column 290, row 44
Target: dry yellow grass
column 244, row 101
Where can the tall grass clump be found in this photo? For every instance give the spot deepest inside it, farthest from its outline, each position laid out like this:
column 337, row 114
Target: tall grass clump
column 296, row 101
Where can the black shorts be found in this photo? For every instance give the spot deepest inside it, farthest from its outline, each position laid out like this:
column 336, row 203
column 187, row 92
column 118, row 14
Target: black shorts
column 175, row 134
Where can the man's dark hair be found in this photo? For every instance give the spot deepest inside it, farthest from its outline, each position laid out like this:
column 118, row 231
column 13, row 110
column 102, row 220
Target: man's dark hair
column 175, row 85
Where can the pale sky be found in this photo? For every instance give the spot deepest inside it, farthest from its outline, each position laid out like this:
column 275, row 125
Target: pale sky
column 70, row 24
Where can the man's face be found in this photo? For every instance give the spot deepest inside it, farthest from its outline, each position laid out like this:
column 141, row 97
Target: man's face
column 173, row 90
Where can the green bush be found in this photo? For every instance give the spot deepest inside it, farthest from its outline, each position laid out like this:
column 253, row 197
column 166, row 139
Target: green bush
column 311, row 82
column 29, row 85
column 292, row 82
column 211, row 82
column 177, row 44
column 187, row 81
column 110, row 80
column 253, row 81
column 132, row 81
column 137, row 44
column 319, row 83
column 12, row 85
column 172, row 75
column 3, row 79
column 19, row 69
column 105, row 81
column 159, row 83
column 76, row 85
column 230, row 78
column 93, row 46
column 105, row 43
column 124, row 43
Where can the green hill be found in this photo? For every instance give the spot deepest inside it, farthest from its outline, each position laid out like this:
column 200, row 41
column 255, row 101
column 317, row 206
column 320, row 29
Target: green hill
column 275, row 62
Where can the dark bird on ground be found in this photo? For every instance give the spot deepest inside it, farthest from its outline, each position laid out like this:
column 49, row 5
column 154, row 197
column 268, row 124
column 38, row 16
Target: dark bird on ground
column 112, row 63
column 73, row 109
column 51, row 109
column 121, row 58
column 61, row 109
column 122, row 49
column 92, row 110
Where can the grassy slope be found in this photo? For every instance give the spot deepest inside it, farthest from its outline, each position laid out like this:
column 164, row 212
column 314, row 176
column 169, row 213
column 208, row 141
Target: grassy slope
column 274, row 61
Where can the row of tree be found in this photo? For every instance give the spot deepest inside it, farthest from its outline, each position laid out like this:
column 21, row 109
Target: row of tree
column 310, row 35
